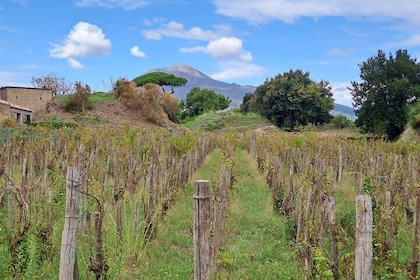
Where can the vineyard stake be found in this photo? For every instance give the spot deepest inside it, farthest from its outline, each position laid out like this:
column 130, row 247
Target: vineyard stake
column 201, row 230
column 364, row 254
column 68, row 264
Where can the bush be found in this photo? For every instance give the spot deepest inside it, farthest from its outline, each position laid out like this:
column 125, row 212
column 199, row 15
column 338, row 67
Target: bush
column 8, row 123
column 56, row 123
column 79, row 102
column 155, row 106
column 340, row 121
column 414, row 115
column 171, row 106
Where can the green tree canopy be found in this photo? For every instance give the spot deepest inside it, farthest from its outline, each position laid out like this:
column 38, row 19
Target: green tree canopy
column 199, row 101
column 160, row 78
column 291, row 99
column 389, row 85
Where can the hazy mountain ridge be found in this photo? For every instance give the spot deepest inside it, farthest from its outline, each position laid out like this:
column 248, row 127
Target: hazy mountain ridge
column 234, row 91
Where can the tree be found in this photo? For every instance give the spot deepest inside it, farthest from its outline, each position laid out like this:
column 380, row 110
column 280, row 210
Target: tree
column 160, row 78
column 57, row 84
column 292, row 99
column 199, row 101
column 388, row 87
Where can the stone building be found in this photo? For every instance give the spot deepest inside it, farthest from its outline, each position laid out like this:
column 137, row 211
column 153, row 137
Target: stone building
column 20, row 102
column 12, row 111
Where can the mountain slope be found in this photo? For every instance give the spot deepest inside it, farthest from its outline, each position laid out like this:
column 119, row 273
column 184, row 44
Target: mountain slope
column 197, row 79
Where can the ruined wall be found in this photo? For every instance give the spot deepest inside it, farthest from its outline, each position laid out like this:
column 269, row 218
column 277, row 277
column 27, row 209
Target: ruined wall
column 4, row 111
column 33, row 98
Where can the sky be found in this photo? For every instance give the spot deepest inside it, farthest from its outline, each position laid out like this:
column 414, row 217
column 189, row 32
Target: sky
column 235, row 41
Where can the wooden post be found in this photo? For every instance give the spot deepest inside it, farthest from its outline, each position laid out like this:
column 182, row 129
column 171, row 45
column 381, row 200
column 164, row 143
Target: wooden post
column 413, row 264
column 201, row 231
column 253, row 144
column 364, row 254
column 340, row 164
column 218, row 235
column 389, row 239
column 68, row 266
column 329, row 204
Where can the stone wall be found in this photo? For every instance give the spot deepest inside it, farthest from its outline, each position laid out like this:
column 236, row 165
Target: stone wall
column 4, row 112
column 32, row 98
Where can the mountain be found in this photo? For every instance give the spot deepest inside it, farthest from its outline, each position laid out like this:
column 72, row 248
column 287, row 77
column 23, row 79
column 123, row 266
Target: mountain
column 234, row 91
column 344, row 110
column 197, row 79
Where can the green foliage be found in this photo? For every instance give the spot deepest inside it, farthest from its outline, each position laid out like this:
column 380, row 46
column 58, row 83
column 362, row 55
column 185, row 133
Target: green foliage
column 340, row 121
column 56, row 123
column 414, row 115
column 389, row 85
column 102, row 97
column 292, row 99
column 160, row 78
column 8, row 123
column 79, row 102
column 199, row 101
column 322, row 266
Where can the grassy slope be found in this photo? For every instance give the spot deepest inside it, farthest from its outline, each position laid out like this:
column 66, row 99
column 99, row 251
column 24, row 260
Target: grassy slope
column 232, row 121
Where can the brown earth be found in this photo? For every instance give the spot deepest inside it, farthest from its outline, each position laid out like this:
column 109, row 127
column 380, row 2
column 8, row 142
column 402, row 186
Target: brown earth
column 110, row 113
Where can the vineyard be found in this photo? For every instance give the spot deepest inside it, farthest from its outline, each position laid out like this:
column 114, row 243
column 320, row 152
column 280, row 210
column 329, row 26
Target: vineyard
column 295, row 192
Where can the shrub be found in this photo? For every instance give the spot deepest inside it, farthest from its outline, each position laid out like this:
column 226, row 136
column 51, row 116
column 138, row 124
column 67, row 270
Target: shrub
column 170, row 105
column 340, row 121
column 8, row 123
column 414, row 115
column 79, row 100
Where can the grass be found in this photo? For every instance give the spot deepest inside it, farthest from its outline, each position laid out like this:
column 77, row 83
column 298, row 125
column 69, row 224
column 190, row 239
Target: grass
column 257, row 246
column 232, row 121
column 170, row 255
column 94, row 98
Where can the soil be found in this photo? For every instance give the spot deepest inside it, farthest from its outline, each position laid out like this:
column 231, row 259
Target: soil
column 110, row 113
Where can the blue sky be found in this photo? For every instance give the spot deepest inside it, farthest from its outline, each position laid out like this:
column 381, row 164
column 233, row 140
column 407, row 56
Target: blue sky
column 235, row 41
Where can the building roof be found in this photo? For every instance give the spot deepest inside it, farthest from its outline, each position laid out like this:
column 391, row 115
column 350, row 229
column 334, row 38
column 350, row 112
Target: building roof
column 24, row 88
column 15, row 106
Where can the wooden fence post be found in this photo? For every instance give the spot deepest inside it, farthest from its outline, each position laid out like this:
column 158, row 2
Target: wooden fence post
column 364, row 250
column 68, row 265
column 412, row 266
column 201, row 230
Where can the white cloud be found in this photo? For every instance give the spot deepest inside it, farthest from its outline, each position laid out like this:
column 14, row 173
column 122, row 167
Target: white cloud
column 236, row 70
column 340, row 51
column 225, row 47
column 124, row 4
column 84, row 39
column 414, row 40
column 74, row 63
column 291, row 10
column 341, row 94
column 151, row 35
column 135, row 51
column 177, row 30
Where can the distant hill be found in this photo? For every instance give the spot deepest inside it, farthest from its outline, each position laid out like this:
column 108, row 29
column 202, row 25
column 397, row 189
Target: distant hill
column 344, row 110
column 234, row 91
